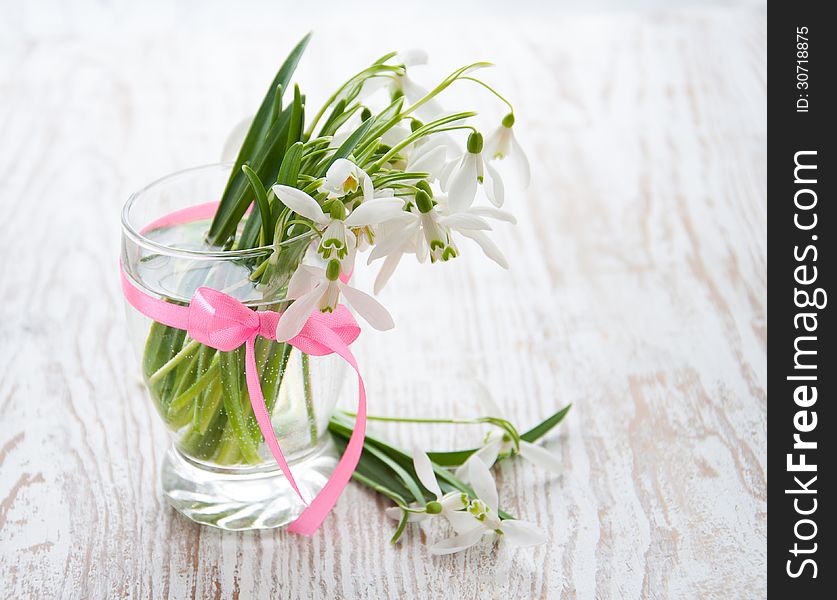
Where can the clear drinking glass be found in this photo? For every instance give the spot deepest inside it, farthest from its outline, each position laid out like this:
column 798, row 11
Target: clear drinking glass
column 218, row 470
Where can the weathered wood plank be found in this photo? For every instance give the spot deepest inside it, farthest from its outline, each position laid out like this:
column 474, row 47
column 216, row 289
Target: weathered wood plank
column 637, row 292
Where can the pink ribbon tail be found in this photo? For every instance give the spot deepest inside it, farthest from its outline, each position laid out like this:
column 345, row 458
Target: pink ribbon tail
column 254, row 387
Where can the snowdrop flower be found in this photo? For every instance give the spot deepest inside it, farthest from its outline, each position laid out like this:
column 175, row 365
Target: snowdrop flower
column 460, row 177
column 430, row 231
column 443, row 505
column 403, row 84
column 481, row 518
column 343, row 178
column 498, row 444
column 430, row 154
column 338, row 240
column 435, row 227
column 502, row 145
column 315, row 288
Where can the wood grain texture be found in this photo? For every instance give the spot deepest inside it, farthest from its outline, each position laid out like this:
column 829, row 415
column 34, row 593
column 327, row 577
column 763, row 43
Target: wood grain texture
column 637, row 292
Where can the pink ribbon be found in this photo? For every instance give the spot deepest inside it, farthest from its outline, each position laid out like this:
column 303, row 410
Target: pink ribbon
column 222, row 322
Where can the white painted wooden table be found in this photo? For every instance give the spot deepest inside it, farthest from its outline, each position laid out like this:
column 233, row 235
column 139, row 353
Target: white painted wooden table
column 637, row 292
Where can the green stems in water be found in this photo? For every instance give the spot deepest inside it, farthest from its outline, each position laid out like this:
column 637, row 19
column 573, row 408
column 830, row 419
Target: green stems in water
column 202, row 394
column 309, row 400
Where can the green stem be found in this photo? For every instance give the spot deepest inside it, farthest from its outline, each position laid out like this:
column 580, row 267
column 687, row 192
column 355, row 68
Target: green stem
column 501, row 423
column 309, row 400
column 175, row 360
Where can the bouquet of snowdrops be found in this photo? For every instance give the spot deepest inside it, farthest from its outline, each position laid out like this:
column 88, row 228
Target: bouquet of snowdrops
column 389, row 179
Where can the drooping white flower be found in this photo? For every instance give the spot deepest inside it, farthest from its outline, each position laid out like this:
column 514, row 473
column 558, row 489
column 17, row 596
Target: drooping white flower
column 408, row 86
column 481, row 518
column 428, row 230
column 337, row 238
column 343, row 178
column 461, row 177
column 445, row 504
column 498, row 444
column 503, row 146
column 314, row 288
column 436, row 230
column 430, row 154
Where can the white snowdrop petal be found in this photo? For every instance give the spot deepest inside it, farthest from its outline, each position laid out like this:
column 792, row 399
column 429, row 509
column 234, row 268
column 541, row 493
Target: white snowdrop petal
column 487, row 454
column 457, row 543
column 464, row 220
column 304, row 279
column 462, row 522
column 367, row 307
column 294, row 318
column 522, row 534
column 493, row 213
column 489, row 247
column 493, row 184
column 412, row 57
column 430, row 161
column 462, row 185
column 521, row 163
column 540, row 456
column 375, row 211
column 424, row 471
column 387, row 269
column 483, row 483
column 368, row 189
column 301, row 203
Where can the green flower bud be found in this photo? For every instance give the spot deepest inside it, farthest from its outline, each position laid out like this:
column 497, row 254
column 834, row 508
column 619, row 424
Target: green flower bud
column 433, row 507
column 424, row 185
column 475, row 143
column 333, row 270
column 365, row 113
column 397, row 94
column 508, row 120
column 415, row 124
column 423, row 201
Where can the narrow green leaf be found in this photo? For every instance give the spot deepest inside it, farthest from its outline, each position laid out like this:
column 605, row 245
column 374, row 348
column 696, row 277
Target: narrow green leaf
column 276, row 108
column 266, row 164
column 230, row 210
column 261, row 201
column 297, row 118
column 346, row 149
column 291, row 163
column 541, row 429
column 336, row 112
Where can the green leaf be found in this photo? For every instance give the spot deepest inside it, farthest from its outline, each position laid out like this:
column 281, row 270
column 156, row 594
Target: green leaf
column 230, row 209
column 349, row 145
column 261, row 201
column 291, row 163
column 297, row 119
column 458, row 457
column 266, row 165
column 276, row 107
column 541, row 429
column 336, row 112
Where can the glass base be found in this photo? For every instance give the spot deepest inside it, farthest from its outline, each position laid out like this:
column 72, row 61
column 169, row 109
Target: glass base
column 241, row 499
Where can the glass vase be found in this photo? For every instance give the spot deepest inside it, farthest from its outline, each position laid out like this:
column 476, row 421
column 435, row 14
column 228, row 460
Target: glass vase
column 218, row 470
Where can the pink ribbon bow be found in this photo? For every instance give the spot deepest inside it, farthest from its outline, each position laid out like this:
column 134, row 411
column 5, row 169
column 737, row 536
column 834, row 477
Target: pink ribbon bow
column 222, row 322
